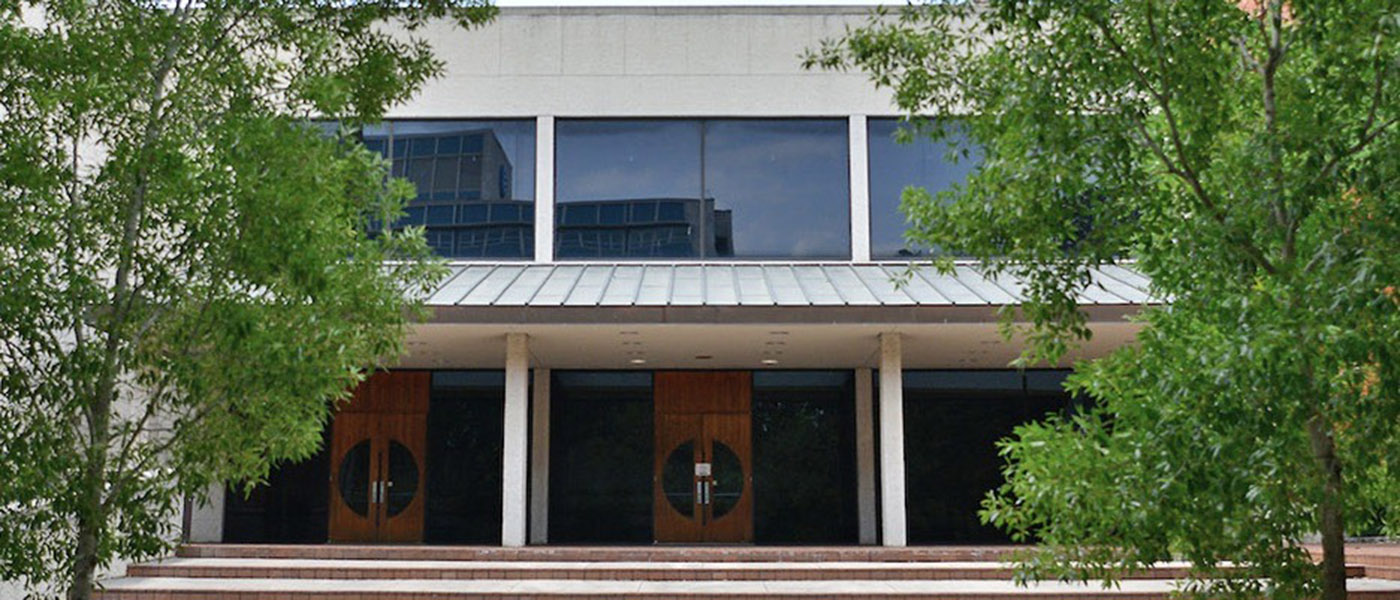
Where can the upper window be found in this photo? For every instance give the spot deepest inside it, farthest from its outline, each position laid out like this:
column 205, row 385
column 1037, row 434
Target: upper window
column 894, row 166
column 475, row 182
column 709, row 189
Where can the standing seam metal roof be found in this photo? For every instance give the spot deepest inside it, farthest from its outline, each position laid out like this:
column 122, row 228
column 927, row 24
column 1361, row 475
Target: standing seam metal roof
column 752, row 284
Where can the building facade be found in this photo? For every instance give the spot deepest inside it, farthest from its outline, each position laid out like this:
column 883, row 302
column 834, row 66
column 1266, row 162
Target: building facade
column 680, row 308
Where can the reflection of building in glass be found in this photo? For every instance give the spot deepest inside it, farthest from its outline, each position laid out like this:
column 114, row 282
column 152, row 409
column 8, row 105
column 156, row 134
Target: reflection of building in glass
column 643, row 227
column 464, row 202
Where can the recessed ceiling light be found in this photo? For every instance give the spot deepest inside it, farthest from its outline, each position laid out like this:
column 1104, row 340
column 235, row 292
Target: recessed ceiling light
column 777, row 333
column 770, row 361
column 638, row 361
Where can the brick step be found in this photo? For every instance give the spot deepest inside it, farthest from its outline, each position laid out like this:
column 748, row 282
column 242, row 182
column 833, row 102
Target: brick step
column 1371, row 554
column 607, row 553
column 1375, row 560
column 230, row 568
column 136, row 588
column 1383, row 572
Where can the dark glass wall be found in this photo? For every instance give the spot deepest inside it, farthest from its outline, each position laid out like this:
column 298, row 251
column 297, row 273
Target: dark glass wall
column 475, row 182
column 714, row 188
column 952, row 422
column 291, row 508
column 465, row 435
column 804, row 457
column 600, row 487
column 895, row 166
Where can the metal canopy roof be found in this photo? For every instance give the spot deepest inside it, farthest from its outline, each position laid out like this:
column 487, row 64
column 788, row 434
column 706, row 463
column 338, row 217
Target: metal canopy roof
column 750, row 284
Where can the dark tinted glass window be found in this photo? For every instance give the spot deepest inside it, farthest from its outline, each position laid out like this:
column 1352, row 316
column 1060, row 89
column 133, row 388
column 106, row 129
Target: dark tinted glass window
column 702, row 189
column 952, row 422
column 804, row 457
column 475, row 182
column 465, row 435
column 609, row 178
column 600, row 480
column 895, row 166
column 291, row 508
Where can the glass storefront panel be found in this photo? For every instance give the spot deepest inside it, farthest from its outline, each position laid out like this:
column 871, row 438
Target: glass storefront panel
column 600, row 463
column 715, row 188
column 952, row 422
column 466, row 412
column 804, row 457
column 475, row 183
column 894, row 166
column 291, row 508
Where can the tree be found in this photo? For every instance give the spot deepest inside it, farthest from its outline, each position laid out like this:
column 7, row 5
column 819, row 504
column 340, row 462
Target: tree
column 1246, row 157
column 188, row 285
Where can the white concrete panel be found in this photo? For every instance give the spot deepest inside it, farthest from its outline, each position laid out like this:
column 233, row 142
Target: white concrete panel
column 647, row 96
column 593, row 45
column 475, row 53
column 655, row 46
column 532, row 44
column 778, row 42
column 644, row 61
column 718, row 45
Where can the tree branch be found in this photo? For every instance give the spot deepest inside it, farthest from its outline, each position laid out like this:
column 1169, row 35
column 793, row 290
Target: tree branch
column 1184, row 170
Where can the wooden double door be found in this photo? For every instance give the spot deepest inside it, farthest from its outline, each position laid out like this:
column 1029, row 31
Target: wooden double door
column 378, row 443
column 703, row 477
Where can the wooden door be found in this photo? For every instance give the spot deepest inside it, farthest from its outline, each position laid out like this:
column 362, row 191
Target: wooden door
column 703, row 477
column 378, row 442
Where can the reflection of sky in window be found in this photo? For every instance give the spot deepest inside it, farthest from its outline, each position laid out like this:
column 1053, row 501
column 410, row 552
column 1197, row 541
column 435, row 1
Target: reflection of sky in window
column 894, row 166
column 615, row 160
column 785, row 181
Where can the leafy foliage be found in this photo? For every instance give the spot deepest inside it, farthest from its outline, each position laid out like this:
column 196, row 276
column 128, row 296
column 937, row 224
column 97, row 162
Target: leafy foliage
column 1245, row 157
column 187, row 282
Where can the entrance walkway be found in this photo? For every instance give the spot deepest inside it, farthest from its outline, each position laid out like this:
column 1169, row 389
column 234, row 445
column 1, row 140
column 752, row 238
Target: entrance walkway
column 323, row 572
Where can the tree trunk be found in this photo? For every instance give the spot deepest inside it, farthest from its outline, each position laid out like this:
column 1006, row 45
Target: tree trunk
column 84, row 561
column 1334, row 573
column 92, row 515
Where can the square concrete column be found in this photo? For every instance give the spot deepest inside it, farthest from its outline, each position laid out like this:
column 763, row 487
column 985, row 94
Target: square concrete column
column 539, row 459
column 517, row 431
column 865, row 457
column 892, row 440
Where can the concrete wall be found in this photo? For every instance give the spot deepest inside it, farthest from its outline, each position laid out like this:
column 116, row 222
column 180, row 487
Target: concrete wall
column 638, row 61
